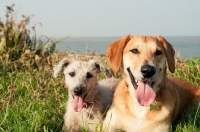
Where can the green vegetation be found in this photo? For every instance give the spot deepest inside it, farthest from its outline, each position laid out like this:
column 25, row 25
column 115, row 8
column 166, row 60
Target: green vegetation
column 32, row 100
column 190, row 71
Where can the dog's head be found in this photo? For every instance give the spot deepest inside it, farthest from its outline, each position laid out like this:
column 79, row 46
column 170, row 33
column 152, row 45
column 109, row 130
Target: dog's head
column 143, row 59
column 81, row 79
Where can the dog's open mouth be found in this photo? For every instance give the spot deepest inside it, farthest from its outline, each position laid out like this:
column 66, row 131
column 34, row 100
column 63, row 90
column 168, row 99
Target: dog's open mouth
column 143, row 90
column 79, row 103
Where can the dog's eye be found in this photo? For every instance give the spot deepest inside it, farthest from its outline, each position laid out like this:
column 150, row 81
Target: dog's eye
column 135, row 51
column 158, row 52
column 89, row 75
column 72, row 74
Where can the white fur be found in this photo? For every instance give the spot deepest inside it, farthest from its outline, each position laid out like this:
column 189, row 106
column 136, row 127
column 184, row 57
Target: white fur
column 99, row 93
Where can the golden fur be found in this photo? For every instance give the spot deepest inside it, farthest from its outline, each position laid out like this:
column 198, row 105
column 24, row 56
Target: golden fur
column 172, row 95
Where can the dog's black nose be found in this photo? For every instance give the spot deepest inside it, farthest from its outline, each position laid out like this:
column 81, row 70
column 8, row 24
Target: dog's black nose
column 78, row 91
column 148, row 71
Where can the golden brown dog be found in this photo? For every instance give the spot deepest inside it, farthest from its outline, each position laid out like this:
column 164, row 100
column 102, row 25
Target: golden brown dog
column 146, row 100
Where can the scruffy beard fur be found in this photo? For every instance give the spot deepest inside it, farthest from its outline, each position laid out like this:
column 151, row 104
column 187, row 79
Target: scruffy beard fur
column 145, row 85
column 92, row 116
column 96, row 96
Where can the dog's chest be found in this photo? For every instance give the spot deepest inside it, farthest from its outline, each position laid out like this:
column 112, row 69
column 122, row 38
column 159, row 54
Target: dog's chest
column 145, row 120
column 141, row 112
column 89, row 114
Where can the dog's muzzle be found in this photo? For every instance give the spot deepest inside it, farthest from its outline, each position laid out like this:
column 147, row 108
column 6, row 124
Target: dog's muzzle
column 78, row 91
column 144, row 92
column 132, row 78
column 148, row 71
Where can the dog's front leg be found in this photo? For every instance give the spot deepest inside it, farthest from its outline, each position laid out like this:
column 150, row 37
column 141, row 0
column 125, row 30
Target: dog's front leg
column 71, row 123
column 110, row 122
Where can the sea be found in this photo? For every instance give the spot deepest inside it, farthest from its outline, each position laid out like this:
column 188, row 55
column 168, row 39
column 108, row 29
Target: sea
column 185, row 46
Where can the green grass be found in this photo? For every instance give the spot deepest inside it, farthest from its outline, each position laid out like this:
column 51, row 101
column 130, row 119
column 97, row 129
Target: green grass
column 190, row 71
column 32, row 100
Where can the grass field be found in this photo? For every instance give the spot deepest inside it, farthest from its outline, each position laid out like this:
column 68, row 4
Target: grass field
column 32, row 100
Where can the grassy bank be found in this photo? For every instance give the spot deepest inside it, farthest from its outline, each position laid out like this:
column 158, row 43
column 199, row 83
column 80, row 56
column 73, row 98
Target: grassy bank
column 32, row 100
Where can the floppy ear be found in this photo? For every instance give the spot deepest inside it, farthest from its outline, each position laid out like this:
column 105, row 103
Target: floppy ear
column 115, row 52
column 62, row 64
column 169, row 51
column 100, row 67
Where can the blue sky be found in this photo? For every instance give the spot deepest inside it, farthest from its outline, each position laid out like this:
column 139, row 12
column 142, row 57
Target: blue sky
column 110, row 17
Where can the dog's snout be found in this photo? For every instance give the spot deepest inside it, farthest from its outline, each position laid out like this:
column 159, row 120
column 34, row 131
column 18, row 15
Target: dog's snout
column 78, row 91
column 148, row 71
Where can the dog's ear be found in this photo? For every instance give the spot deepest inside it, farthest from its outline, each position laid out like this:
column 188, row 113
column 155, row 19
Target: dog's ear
column 61, row 65
column 100, row 67
column 170, row 52
column 115, row 52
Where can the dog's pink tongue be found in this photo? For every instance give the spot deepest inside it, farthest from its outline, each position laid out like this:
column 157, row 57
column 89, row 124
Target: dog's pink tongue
column 78, row 103
column 144, row 93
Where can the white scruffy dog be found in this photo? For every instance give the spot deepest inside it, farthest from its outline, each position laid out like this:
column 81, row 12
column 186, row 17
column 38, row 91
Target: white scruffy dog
column 88, row 98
